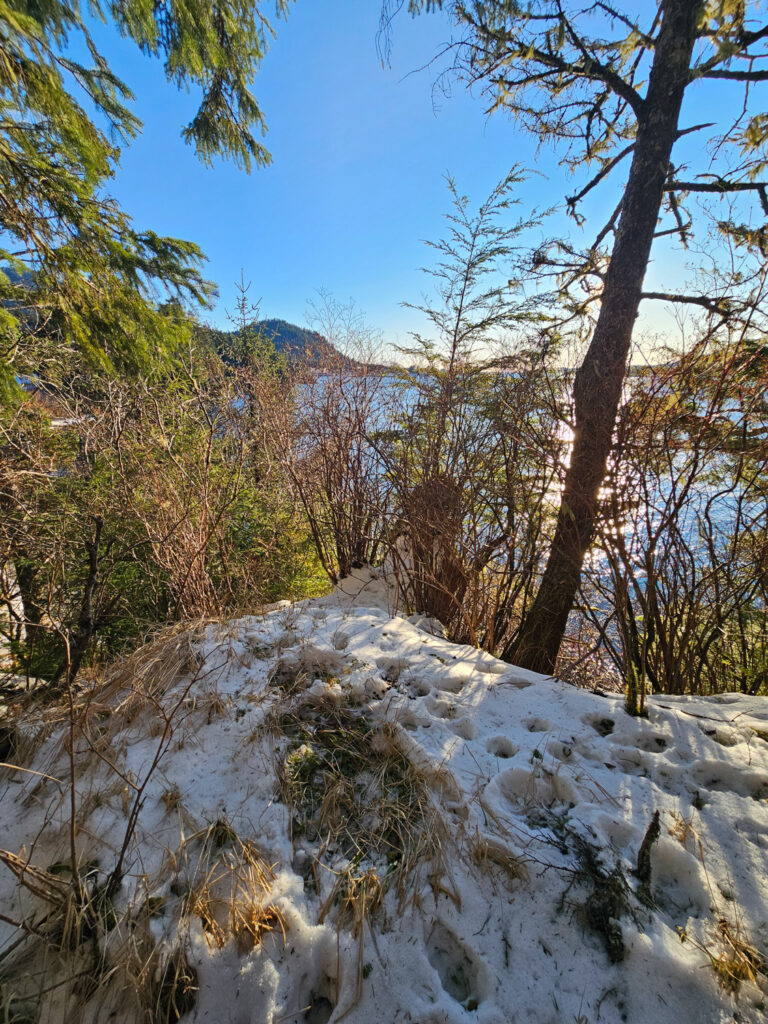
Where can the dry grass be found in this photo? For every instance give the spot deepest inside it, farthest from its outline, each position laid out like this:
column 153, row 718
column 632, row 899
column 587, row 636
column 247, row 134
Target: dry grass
column 356, row 797
column 113, row 699
column 79, row 962
column 488, row 852
column 294, row 668
column 683, row 830
column 82, row 961
column 144, row 677
column 736, row 960
column 739, row 960
column 75, row 949
column 22, row 731
column 175, row 992
column 366, row 814
column 229, row 890
column 141, row 690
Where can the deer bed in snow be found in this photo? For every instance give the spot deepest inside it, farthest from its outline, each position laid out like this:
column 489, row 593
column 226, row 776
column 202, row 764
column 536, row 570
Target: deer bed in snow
column 329, row 813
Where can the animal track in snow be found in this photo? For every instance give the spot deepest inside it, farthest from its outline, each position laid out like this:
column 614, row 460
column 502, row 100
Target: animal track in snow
column 531, row 786
column 652, row 744
column 392, row 668
column 753, row 831
column 451, row 681
column 724, row 777
column 322, row 1002
column 464, row 728
column 455, row 966
column 500, row 746
column 441, row 708
column 420, row 688
column 537, row 724
column 601, row 725
column 631, row 760
column 560, row 751
column 723, row 735
column 412, row 721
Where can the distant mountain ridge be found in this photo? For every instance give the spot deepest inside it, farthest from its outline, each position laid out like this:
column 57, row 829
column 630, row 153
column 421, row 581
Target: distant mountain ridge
column 296, row 344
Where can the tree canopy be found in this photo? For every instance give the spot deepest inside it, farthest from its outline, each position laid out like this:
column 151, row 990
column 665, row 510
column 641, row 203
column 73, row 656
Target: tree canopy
column 607, row 85
column 80, row 273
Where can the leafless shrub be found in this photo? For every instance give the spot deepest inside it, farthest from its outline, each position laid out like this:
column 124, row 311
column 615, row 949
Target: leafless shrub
column 342, row 402
column 678, row 587
column 473, row 463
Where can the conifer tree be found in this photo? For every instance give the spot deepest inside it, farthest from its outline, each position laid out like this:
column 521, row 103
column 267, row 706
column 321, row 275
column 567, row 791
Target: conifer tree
column 73, row 269
column 606, row 84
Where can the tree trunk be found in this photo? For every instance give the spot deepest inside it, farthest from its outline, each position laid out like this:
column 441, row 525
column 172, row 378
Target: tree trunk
column 87, row 624
column 599, row 380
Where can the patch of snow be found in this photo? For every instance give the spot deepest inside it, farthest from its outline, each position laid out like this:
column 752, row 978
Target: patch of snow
column 524, row 772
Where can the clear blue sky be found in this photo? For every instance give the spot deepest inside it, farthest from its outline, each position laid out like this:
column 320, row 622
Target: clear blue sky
column 359, row 154
column 356, row 183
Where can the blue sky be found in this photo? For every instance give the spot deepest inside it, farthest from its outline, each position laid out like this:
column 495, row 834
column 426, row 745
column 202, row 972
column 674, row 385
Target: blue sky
column 359, row 156
column 356, row 184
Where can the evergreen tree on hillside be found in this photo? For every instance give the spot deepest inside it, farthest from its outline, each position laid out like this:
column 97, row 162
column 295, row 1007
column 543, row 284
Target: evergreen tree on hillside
column 96, row 282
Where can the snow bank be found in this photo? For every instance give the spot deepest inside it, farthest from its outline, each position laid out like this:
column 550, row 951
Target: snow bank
column 523, row 801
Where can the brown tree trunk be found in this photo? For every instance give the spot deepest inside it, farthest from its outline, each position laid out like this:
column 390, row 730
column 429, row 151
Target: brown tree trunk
column 599, row 380
column 87, row 624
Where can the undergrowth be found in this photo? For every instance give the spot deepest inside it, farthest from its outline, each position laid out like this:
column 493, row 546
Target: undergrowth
column 83, row 952
column 357, row 800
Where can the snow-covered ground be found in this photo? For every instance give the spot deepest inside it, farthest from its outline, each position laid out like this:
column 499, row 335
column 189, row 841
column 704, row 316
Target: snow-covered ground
column 505, row 891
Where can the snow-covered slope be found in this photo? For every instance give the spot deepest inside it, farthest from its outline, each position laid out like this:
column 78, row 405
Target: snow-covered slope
column 341, row 816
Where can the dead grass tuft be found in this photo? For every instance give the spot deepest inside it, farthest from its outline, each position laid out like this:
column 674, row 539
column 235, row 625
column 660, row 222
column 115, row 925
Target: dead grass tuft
column 356, row 797
column 229, row 890
column 739, row 961
column 176, row 990
column 682, row 829
column 145, row 676
column 295, row 668
column 736, row 961
column 488, row 852
column 171, row 798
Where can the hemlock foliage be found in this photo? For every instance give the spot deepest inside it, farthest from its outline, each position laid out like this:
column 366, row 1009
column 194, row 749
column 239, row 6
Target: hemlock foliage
column 81, row 275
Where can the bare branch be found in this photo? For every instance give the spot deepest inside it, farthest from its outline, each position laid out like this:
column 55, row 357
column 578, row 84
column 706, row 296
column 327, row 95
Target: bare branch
column 594, row 70
column 720, row 185
column 713, row 305
column 609, row 225
column 602, row 173
column 681, row 229
column 739, row 76
column 606, row 170
column 647, row 40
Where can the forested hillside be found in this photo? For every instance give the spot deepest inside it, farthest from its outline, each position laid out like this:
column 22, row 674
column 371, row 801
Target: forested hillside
column 295, row 344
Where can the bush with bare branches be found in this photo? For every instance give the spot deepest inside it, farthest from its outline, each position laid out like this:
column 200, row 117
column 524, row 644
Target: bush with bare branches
column 139, row 502
column 678, row 590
